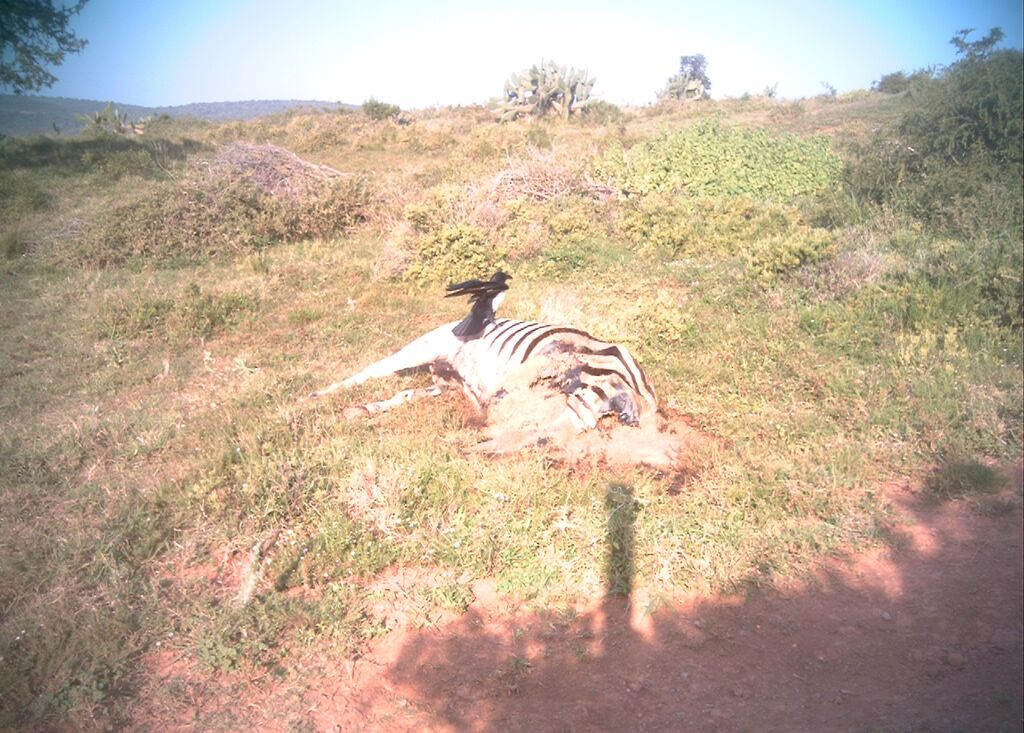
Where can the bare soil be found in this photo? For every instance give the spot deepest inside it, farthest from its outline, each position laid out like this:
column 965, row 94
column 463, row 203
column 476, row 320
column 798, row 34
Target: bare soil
column 924, row 634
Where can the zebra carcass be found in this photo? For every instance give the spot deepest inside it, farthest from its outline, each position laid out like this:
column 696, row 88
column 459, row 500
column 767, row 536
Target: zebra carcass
column 536, row 383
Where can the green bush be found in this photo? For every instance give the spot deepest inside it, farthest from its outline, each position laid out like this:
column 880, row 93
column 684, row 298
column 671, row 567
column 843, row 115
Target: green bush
column 709, row 159
column 447, row 247
column 898, row 82
column 600, row 112
column 451, row 253
column 974, row 108
column 772, row 257
column 376, row 110
column 772, row 238
column 955, row 153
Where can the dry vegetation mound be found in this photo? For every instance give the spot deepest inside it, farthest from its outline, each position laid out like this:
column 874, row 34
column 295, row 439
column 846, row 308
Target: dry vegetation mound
column 540, row 176
column 273, row 170
column 244, row 197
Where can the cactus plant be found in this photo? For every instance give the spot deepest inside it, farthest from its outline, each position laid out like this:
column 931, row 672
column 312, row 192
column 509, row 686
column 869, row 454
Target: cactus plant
column 549, row 86
column 112, row 120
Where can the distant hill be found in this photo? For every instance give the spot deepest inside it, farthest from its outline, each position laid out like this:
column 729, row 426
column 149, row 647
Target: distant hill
column 31, row 115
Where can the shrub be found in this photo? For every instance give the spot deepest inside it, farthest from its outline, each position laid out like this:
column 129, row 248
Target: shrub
column 19, row 193
column 898, row 82
column 200, row 218
column 380, row 110
column 772, row 257
column 711, row 160
column 451, row 253
column 973, row 109
column 771, row 238
column 600, row 112
column 446, row 248
column 955, row 153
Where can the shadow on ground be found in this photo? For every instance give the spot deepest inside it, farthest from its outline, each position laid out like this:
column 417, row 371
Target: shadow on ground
column 927, row 637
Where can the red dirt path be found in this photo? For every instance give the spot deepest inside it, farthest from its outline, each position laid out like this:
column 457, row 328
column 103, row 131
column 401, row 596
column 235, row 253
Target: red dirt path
column 927, row 637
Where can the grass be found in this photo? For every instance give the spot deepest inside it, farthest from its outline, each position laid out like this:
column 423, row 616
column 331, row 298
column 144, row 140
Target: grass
column 151, row 432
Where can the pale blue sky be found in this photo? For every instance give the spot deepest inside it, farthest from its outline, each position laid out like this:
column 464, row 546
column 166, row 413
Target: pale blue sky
column 421, row 54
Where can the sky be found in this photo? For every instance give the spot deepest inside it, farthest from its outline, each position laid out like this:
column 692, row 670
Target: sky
column 450, row 52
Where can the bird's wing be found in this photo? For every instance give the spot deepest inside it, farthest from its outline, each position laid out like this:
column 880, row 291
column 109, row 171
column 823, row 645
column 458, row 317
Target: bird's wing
column 467, row 286
column 475, row 289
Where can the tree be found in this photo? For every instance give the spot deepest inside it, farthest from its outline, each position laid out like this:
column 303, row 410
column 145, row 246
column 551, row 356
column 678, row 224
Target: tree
column 971, row 50
column 691, row 82
column 34, row 34
column 695, row 67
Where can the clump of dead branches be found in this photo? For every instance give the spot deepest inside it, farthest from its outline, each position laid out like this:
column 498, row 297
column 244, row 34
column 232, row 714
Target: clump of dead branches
column 274, row 171
column 541, row 176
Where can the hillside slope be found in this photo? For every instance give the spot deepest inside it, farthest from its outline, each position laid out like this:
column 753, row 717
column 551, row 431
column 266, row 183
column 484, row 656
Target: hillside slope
column 37, row 115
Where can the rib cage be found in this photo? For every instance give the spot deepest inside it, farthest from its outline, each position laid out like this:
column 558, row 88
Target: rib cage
column 597, row 377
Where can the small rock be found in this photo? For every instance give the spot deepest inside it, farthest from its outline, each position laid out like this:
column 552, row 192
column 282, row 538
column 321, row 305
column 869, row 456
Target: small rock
column 955, row 659
column 886, row 616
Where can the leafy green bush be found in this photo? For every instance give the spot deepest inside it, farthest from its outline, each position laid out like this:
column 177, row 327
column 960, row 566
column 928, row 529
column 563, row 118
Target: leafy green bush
column 447, row 246
column 974, row 108
column 712, row 160
column 451, row 253
column 772, row 257
column 376, row 110
column 772, row 238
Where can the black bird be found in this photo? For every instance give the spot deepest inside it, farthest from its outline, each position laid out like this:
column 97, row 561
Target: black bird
column 486, row 296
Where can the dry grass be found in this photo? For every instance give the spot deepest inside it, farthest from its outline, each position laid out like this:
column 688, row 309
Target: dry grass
column 151, row 433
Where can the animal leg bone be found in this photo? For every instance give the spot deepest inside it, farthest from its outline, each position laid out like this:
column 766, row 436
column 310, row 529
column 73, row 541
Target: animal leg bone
column 435, row 345
column 406, row 395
